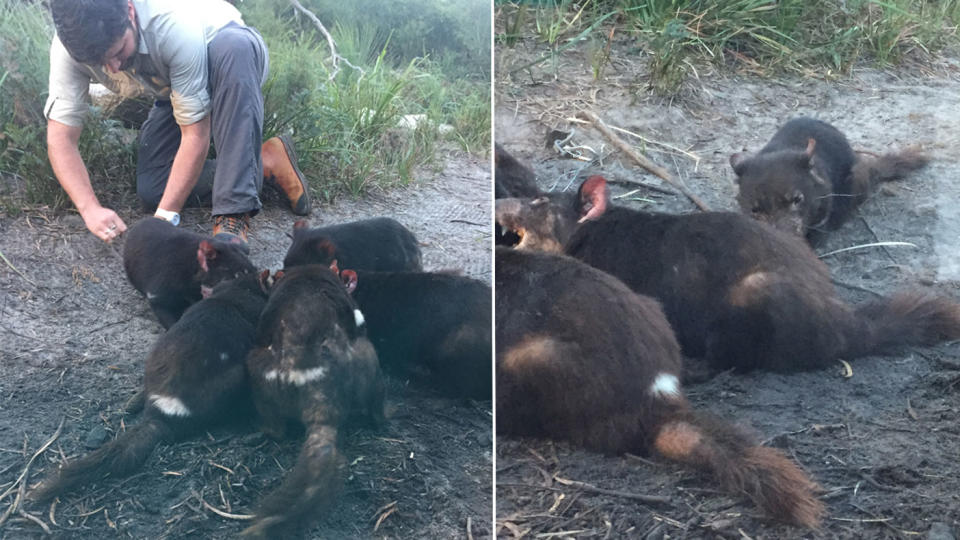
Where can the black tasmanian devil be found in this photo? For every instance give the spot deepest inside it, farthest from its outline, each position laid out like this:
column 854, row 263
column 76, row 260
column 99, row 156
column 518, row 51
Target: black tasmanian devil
column 807, row 179
column 194, row 376
column 313, row 368
column 580, row 357
column 437, row 321
column 511, row 179
column 170, row 266
column 736, row 291
column 377, row 244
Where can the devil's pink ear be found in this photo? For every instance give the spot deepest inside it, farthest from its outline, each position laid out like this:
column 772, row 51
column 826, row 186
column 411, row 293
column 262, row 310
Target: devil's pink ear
column 349, row 279
column 811, row 146
column 265, row 281
column 593, row 198
column 334, row 268
column 205, row 252
column 301, row 224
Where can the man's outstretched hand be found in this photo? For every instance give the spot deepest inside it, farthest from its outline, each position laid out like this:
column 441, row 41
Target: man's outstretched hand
column 104, row 223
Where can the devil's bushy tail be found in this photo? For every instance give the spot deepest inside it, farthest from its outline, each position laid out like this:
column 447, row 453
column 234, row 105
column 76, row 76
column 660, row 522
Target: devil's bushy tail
column 312, row 484
column 905, row 318
column 869, row 171
column 120, row 457
column 774, row 483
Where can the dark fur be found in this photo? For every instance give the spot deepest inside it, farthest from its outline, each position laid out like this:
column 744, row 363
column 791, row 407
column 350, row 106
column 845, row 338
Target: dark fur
column 807, row 179
column 166, row 264
column 512, row 178
column 200, row 361
column 436, row 321
column 577, row 355
column 376, row 245
column 308, row 324
column 740, row 293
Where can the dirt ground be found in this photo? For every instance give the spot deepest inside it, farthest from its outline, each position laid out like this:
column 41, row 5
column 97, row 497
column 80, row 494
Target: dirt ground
column 74, row 334
column 885, row 443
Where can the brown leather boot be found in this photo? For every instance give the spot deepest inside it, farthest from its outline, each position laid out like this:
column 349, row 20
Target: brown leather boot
column 280, row 168
column 232, row 228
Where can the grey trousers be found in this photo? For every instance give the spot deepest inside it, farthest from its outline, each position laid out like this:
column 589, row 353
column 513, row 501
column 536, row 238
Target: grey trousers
column 237, row 59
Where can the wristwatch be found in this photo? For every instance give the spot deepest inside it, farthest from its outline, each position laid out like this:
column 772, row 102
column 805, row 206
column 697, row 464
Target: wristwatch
column 172, row 217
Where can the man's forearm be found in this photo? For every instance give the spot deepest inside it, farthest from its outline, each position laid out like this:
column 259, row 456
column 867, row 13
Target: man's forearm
column 64, row 153
column 187, row 164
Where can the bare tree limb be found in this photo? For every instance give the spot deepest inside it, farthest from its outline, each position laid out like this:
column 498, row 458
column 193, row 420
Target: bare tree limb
column 335, row 58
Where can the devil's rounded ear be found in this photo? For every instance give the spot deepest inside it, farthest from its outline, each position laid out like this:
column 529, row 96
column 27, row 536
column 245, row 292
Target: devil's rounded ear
column 301, row 224
column 205, row 253
column 593, row 198
column 265, row 281
column 738, row 161
column 808, row 153
column 349, row 279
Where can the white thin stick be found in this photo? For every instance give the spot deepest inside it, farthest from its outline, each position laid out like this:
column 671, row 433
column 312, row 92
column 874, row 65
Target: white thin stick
column 862, row 246
column 228, row 515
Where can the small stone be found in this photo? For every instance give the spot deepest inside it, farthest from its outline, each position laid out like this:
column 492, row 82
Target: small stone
column 483, row 439
column 95, row 437
column 940, row 531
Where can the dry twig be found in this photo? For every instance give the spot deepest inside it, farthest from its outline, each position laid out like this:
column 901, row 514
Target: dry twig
column 21, row 482
column 228, row 515
column 655, row 499
column 641, row 160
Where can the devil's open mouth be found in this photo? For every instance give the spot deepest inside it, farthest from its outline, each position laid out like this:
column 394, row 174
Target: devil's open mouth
column 506, row 236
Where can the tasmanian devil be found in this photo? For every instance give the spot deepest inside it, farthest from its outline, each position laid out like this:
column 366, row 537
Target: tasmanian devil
column 377, row 244
column 313, row 368
column 580, row 357
column 511, row 179
column 736, row 291
column 170, row 266
column 194, row 376
column 807, row 179
column 436, row 321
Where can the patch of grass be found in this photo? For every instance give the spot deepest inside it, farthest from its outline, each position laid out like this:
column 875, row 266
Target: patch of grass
column 769, row 36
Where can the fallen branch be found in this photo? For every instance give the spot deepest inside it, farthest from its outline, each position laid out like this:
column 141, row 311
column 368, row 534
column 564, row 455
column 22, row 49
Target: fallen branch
column 641, row 160
column 335, row 58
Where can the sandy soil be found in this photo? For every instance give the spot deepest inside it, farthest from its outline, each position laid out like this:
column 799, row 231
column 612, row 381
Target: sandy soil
column 884, row 443
column 74, row 334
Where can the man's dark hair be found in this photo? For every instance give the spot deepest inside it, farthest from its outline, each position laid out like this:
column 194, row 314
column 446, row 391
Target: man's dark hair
column 87, row 28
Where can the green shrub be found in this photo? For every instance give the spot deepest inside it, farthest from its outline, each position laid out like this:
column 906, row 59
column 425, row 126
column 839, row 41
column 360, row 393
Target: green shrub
column 763, row 36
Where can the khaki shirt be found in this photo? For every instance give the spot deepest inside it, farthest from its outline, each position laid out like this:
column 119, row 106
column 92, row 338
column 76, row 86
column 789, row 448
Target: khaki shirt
column 170, row 62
